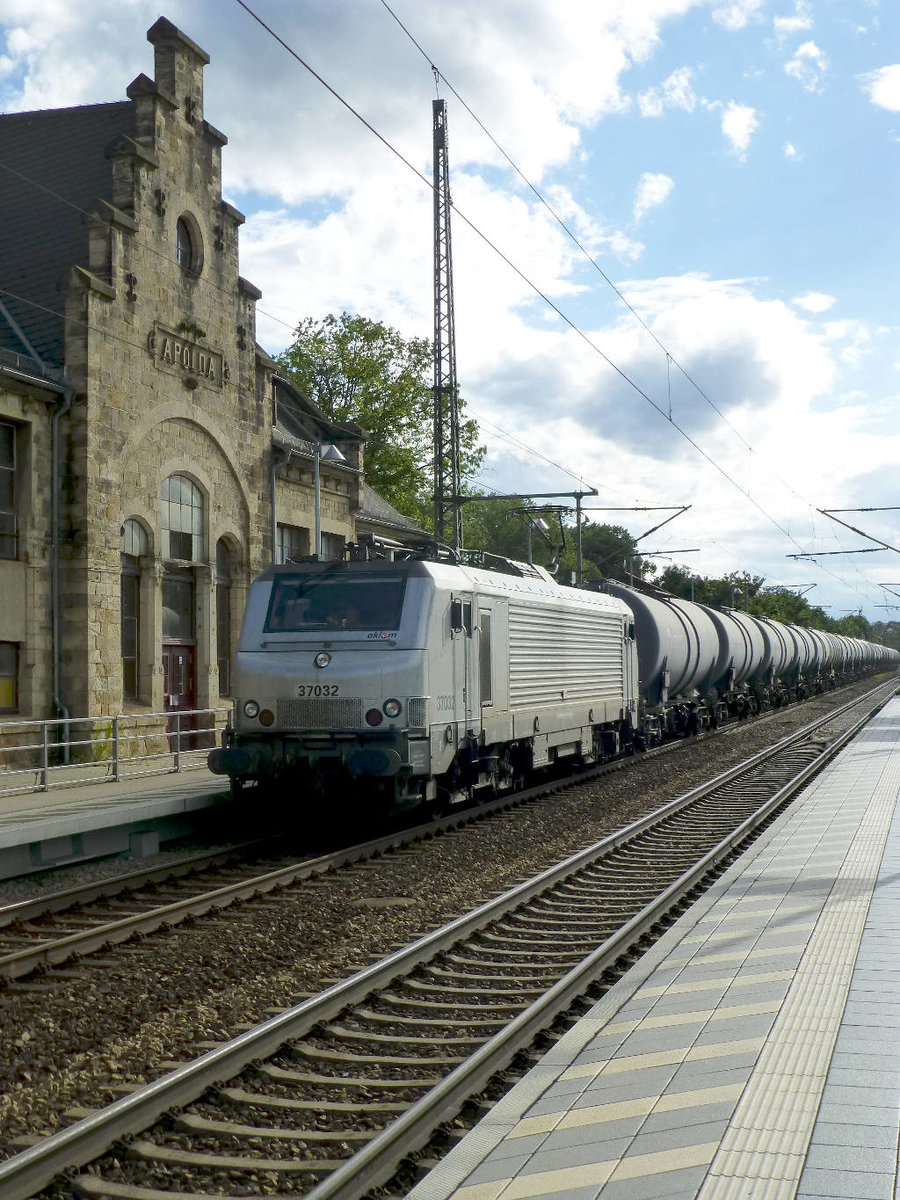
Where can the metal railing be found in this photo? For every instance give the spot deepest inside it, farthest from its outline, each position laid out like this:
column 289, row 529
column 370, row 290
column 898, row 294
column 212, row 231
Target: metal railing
column 37, row 756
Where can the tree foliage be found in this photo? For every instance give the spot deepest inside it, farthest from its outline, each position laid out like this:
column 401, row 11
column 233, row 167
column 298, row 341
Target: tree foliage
column 500, row 526
column 356, row 369
column 887, row 632
column 744, row 591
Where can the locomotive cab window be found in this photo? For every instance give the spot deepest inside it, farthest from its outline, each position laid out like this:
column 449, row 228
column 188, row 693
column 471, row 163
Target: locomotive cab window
column 461, row 617
column 305, row 603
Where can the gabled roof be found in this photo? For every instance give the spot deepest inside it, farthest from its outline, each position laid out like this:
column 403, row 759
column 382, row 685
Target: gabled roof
column 52, row 168
column 300, row 417
column 376, row 510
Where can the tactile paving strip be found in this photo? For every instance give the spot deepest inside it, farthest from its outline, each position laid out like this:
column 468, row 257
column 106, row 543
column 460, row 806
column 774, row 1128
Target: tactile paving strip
column 701, row 1073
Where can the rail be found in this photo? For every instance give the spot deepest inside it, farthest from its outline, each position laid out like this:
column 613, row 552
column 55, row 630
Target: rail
column 26, row 1173
column 37, row 756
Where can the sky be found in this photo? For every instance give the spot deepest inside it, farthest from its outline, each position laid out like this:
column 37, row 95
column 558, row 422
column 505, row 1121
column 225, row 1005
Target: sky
column 675, row 237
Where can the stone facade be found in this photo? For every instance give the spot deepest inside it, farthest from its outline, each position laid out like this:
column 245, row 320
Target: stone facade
column 173, row 433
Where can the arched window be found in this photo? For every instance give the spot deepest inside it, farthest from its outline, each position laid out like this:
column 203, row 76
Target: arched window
column 185, row 248
column 135, row 546
column 223, row 616
column 182, row 519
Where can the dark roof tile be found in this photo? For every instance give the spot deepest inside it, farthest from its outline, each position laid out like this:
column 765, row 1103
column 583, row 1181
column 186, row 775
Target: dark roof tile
column 52, row 168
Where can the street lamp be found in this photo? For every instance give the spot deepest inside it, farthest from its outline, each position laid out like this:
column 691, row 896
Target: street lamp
column 324, row 452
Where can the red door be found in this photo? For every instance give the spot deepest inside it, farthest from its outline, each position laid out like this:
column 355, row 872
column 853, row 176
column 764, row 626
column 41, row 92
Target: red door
column 180, row 693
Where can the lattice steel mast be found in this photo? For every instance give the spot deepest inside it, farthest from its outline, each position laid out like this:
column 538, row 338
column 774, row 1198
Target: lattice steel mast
column 447, row 508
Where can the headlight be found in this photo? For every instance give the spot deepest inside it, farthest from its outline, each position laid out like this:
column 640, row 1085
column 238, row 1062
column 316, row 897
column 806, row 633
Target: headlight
column 266, row 717
column 391, row 708
column 322, row 660
column 373, row 717
column 251, row 709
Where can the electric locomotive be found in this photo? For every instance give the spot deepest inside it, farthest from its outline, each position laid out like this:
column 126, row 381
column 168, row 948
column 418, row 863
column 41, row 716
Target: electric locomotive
column 424, row 680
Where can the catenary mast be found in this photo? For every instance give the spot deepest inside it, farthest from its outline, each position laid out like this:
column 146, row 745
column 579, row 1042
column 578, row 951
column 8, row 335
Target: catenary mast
column 447, row 508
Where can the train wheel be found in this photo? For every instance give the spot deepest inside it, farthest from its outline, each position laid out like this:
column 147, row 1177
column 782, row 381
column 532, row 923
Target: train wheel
column 504, row 777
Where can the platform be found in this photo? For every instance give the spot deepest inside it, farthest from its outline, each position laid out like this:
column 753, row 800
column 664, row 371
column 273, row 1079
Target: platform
column 754, row 1052
column 40, row 830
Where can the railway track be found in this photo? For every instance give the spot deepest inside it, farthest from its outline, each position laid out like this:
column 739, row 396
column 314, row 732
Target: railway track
column 328, row 1097
column 57, row 928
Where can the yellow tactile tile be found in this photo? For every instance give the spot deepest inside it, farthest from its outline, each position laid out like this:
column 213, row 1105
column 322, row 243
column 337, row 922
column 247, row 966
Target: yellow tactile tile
column 620, row 1027
column 676, row 1101
column 708, row 985
column 481, row 1191
column 737, row 956
column 784, row 1091
column 750, row 932
column 640, row 1062
column 729, row 1012
column 713, row 1050
column 638, row 1166
column 574, row 1119
column 552, row 1183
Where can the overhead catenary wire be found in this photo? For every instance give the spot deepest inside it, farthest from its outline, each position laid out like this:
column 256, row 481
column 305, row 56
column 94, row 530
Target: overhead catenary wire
column 539, row 292
column 519, row 272
column 671, row 360
column 505, row 258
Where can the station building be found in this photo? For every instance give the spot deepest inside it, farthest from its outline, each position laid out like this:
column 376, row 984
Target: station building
column 152, row 460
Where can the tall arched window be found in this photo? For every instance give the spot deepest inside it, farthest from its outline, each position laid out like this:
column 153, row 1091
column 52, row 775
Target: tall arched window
column 182, row 519
column 183, row 545
column 223, row 616
column 135, row 546
column 188, row 245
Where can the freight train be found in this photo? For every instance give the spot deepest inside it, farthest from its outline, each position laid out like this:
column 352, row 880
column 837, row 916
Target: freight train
column 424, row 679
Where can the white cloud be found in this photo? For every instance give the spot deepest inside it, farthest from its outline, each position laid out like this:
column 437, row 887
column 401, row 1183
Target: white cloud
column 883, row 87
column 737, row 14
column 855, row 338
column 675, row 92
column 800, row 21
column 653, row 189
column 808, row 66
column 815, row 302
column 335, row 221
column 739, row 123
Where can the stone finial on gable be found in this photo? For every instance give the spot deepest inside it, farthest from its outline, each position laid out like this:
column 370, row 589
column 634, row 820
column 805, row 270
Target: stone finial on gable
column 179, row 64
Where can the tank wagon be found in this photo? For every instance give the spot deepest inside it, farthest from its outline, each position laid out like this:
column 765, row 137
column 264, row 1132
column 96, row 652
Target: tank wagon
column 756, row 662
column 426, row 679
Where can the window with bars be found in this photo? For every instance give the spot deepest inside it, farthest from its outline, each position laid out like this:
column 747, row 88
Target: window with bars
column 131, row 624
column 135, row 545
column 9, row 525
column 223, row 616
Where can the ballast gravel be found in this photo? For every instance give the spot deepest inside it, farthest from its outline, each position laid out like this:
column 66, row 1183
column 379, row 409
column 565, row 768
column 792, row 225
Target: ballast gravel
column 75, row 1035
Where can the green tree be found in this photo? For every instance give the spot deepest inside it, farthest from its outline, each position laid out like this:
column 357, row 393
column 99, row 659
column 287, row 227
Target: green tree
column 855, row 626
column 501, row 527
column 728, row 591
column 888, row 633
column 357, row 369
column 607, row 552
